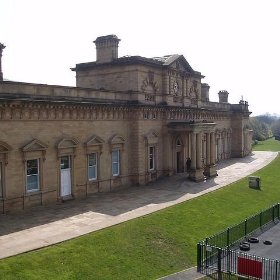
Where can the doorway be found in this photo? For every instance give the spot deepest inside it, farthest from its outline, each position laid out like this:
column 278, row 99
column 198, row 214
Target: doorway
column 179, row 165
column 65, row 175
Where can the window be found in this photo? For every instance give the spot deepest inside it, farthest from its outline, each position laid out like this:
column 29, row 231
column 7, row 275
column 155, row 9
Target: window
column 146, row 116
column 65, row 162
column 116, row 162
column 92, row 166
column 155, row 115
column 152, row 158
column 32, row 175
column 178, row 142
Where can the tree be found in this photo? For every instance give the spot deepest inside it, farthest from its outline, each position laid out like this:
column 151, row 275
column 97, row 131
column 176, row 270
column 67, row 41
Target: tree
column 257, row 129
column 267, row 118
column 275, row 127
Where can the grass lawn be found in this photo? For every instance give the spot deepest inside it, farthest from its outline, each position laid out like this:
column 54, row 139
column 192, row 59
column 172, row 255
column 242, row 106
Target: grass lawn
column 152, row 246
column 268, row 145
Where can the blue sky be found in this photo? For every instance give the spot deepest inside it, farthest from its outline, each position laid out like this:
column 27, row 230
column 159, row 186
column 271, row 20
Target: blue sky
column 233, row 43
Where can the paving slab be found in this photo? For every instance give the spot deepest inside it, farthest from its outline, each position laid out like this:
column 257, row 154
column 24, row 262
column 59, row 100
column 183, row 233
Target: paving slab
column 48, row 225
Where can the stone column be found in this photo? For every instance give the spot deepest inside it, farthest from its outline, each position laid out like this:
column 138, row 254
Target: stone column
column 208, row 149
column 198, row 151
column 210, row 168
column 2, row 47
column 196, row 172
column 212, row 144
column 193, row 151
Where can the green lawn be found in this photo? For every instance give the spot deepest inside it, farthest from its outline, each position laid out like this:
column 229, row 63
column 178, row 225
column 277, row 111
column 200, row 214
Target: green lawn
column 268, row 145
column 152, row 246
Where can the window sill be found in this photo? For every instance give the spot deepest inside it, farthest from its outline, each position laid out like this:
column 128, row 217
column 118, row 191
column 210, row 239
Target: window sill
column 29, row 193
column 117, row 176
column 92, row 180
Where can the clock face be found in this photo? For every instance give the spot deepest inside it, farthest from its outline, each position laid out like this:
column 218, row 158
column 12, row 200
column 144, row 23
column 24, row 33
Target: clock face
column 176, row 87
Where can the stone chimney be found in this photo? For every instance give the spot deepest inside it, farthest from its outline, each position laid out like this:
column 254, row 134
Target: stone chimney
column 2, row 47
column 223, row 96
column 205, row 92
column 106, row 48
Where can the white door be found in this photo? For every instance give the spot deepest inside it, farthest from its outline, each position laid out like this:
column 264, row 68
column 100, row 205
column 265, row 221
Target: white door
column 65, row 169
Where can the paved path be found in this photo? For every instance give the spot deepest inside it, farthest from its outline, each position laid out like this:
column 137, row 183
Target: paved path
column 43, row 226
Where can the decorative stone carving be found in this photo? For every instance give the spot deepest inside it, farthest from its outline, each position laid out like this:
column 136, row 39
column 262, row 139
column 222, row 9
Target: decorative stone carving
column 194, row 89
column 149, row 80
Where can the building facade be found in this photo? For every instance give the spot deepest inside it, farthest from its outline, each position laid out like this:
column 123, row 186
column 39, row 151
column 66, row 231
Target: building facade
column 129, row 121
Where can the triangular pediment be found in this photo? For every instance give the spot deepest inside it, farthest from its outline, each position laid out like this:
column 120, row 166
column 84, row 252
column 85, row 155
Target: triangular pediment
column 68, row 143
column 35, row 145
column 152, row 134
column 152, row 138
column 116, row 139
column 179, row 63
column 94, row 140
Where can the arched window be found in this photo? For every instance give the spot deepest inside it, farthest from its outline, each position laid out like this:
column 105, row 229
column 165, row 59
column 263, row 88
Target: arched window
column 116, row 147
column 178, row 142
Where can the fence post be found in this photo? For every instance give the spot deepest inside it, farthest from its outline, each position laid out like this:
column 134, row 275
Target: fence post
column 206, row 252
column 261, row 219
column 198, row 257
column 278, row 210
column 219, row 264
column 273, row 213
column 245, row 231
column 276, row 270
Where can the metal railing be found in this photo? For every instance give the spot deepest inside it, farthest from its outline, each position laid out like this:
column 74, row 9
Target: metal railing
column 216, row 253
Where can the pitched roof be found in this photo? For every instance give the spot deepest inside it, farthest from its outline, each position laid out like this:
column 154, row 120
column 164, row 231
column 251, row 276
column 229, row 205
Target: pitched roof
column 163, row 61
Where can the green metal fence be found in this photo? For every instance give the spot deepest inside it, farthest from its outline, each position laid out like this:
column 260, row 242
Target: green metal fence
column 218, row 249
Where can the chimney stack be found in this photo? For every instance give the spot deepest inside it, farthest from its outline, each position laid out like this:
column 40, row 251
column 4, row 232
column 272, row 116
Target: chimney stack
column 223, row 96
column 2, row 47
column 106, row 48
column 205, row 92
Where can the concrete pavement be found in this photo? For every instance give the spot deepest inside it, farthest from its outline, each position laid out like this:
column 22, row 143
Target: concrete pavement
column 43, row 226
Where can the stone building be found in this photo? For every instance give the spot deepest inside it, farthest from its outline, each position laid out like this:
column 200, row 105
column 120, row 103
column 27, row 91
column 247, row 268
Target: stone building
column 128, row 121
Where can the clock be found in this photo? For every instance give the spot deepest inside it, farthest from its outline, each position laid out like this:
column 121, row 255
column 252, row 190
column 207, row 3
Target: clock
column 176, row 87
